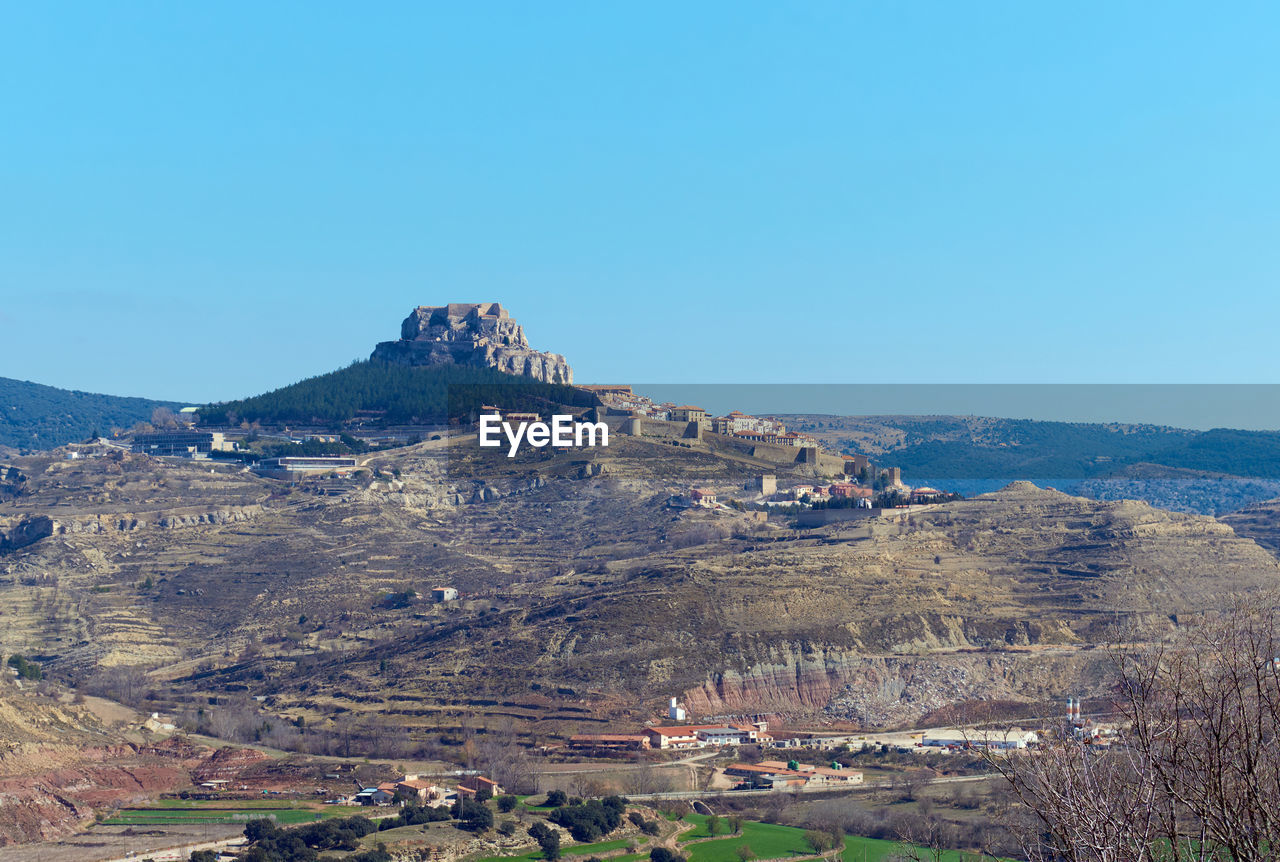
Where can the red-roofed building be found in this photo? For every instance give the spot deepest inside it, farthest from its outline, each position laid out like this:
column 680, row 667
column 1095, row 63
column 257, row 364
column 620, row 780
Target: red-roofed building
column 850, row 491
column 673, row 737
column 478, row 786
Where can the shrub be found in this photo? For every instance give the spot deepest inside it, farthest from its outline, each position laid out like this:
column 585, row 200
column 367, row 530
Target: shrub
column 26, row 669
column 548, row 840
column 474, row 816
column 820, row 841
column 589, row 820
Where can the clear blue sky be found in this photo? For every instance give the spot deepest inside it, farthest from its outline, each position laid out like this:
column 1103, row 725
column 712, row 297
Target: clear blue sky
column 206, row 200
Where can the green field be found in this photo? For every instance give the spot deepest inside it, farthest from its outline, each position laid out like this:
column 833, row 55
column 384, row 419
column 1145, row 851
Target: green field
column 770, row 841
column 173, row 812
column 766, row 840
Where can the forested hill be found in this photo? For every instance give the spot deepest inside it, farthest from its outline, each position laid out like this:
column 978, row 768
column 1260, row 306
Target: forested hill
column 979, row 448
column 36, row 416
column 1055, row 450
column 394, row 394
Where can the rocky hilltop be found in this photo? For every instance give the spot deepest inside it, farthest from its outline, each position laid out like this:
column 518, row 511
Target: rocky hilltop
column 468, row 333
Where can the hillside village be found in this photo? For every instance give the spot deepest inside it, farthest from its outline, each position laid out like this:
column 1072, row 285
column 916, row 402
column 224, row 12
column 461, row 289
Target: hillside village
column 857, row 485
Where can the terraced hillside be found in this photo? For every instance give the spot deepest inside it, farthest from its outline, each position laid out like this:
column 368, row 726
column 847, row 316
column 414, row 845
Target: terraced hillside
column 1259, row 522
column 587, row 600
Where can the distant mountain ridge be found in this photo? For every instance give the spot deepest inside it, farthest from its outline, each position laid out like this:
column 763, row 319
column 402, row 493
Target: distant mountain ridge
column 1206, row 472
column 36, row 416
column 972, row 447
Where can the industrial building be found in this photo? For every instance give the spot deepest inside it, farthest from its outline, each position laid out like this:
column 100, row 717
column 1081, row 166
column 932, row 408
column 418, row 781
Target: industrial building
column 299, row 467
column 184, row 444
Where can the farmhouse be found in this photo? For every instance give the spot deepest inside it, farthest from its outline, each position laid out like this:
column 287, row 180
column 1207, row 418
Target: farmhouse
column 673, row 737
column 416, row 788
column 699, row 735
column 478, row 786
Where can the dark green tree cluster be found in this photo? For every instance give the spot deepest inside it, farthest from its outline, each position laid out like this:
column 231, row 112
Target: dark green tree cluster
column 1029, row 449
column 648, row 827
column 399, row 394
column 1225, row 450
column 591, row 819
column 414, row 815
column 548, row 840
column 662, row 854
column 41, row 417
column 269, row 843
column 26, row 669
column 472, row 815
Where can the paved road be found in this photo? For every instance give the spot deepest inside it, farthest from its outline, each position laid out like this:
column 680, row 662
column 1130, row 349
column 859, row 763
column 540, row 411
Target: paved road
column 856, row 788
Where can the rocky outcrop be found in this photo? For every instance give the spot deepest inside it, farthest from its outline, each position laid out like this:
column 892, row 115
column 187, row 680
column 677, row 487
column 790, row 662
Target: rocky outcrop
column 167, row 519
column 22, row 532
column 879, row 691
column 477, row 334
column 227, row 763
column 49, row 791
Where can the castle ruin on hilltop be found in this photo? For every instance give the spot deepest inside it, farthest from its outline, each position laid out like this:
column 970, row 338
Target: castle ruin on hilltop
column 471, row 333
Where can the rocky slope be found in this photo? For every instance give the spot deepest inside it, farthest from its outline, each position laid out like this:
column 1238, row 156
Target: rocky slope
column 1000, row 596
column 60, row 764
column 1259, row 522
column 587, row 600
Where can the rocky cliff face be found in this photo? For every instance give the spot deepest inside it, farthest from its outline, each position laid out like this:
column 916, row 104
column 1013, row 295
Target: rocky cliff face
column 479, row 334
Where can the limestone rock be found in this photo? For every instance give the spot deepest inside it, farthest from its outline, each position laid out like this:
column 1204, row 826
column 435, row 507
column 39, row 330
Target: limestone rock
column 477, row 334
